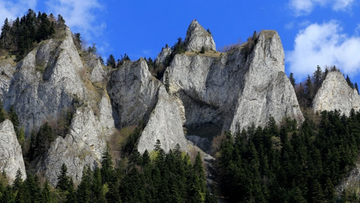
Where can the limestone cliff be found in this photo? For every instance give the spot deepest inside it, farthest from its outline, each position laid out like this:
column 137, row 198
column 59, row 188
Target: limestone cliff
column 164, row 125
column 197, row 37
column 11, row 159
column 82, row 146
column 335, row 94
column 235, row 89
column 48, row 82
column 138, row 96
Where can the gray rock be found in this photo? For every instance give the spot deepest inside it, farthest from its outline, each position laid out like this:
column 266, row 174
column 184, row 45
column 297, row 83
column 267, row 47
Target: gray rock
column 133, row 91
column 335, row 94
column 235, row 89
column 11, row 159
column 164, row 124
column 82, row 146
column 47, row 82
column 165, row 52
column 197, row 37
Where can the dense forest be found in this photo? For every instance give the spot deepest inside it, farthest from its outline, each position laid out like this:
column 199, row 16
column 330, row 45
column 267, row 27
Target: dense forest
column 150, row 177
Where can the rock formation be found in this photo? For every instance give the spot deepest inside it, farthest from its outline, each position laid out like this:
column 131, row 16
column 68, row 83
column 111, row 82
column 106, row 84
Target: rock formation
column 165, row 52
column 11, row 159
column 235, row 89
column 46, row 84
column 82, row 146
column 137, row 96
column 197, row 37
column 164, row 124
column 335, row 94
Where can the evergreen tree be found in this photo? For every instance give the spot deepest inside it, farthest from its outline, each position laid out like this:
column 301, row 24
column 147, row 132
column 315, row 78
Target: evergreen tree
column 349, row 82
column 2, row 113
column 106, row 168
column 63, row 179
column 14, row 119
column 18, row 180
column 111, row 61
column 292, row 79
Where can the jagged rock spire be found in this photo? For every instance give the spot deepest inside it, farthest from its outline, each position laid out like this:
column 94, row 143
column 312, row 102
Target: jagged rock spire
column 197, row 37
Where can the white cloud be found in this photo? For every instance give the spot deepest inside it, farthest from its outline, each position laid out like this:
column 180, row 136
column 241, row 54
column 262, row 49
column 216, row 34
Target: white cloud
column 305, row 7
column 80, row 16
column 323, row 44
column 13, row 9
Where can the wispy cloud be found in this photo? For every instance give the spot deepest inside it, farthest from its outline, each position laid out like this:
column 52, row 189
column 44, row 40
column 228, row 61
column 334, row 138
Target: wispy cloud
column 305, row 7
column 324, row 44
column 80, row 16
column 12, row 9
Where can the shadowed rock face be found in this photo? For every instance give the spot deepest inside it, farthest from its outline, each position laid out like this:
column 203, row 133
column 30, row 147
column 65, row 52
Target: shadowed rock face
column 234, row 89
column 335, row 94
column 11, row 159
column 137, row 96
column 197, row 37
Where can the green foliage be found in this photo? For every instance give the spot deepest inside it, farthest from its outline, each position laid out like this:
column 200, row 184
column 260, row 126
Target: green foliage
column 202, row 51
column 43, row 139
column 63, row 180
column 305, row 168
column 292, row 79
column 24, row 33
column 111, row 61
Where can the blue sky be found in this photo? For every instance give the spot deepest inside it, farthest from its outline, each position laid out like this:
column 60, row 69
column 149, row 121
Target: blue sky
column 313, row 32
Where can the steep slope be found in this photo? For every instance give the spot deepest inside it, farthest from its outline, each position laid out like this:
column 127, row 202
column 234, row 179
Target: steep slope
column 49, row 82
column 197, row 37
column 236, row 89
column 136, row 97
column 11, row 159
column 335, row 94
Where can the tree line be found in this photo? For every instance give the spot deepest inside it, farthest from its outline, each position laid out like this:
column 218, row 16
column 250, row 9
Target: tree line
column 290, row 164
column 20, row 36
column 150, row 177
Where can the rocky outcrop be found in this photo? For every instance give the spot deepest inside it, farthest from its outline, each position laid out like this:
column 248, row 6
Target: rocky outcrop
column 133, row 92
column 197, row 37
column 164, row 125
column 46, row 83
column 82, row 146
column 137, row 96
column 335, row 94
column 165, row 53
column 11, row 159
column 235, row 89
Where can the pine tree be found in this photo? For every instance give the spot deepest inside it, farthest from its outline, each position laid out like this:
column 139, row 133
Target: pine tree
column 292, row 79
column 63, row 179
column 18, row 180
column 107, row 171
column 111, row 61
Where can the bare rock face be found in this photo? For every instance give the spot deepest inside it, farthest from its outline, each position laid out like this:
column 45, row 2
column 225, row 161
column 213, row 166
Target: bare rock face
column 165, row 52
column 11, row 159
column 335, row 94
column 133, row 91
column 137, row 96
column 235, row 89
column 164, row 124
column 46, row 83
column 197, row 37
column 82, row 146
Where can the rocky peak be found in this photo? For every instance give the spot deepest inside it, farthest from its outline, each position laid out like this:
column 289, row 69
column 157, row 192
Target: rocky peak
column 235, row 89
column 11, row 158
column 197, row 37
column 335, row 94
